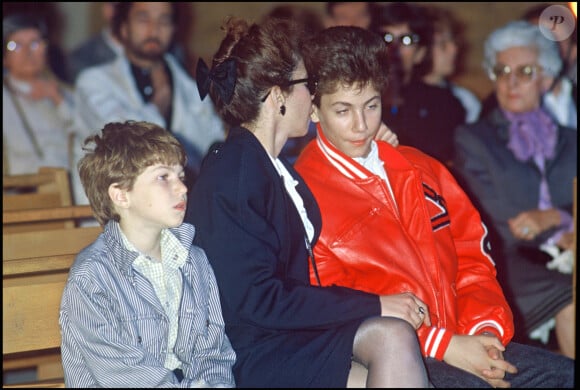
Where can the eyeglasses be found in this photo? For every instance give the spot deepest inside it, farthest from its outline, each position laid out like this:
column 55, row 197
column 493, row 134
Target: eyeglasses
column 405, row 40
column 310, row 84
column 523, row 73
column 34, row 45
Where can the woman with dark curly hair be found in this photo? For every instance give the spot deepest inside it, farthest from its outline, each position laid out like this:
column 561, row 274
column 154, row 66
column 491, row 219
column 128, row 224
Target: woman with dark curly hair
column 257, row 221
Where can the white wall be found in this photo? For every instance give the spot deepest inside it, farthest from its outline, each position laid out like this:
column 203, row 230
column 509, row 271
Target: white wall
column 77, row 22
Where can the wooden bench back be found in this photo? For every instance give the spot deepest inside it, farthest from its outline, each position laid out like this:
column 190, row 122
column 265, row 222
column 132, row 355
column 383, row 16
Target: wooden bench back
column 44, row 251
column 50, row 187
column 30, row 307
column 30, row 331
column 34, row 272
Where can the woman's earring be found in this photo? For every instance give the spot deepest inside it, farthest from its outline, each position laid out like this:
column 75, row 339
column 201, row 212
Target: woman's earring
column 283, row 110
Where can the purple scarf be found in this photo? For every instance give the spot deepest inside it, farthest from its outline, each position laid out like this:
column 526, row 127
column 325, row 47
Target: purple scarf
column 532, row 134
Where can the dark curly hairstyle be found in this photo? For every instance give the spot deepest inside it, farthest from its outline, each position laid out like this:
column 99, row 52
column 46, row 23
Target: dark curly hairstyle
column 266, row 55
column 417, row 18
column 345, row 55
column 21, row 21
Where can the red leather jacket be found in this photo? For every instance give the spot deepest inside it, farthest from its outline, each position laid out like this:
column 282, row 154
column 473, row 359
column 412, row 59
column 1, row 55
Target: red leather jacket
column 432, row 242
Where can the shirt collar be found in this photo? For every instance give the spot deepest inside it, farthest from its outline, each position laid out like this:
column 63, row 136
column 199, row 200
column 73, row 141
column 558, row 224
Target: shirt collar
column 172, row 252
column 345, row 164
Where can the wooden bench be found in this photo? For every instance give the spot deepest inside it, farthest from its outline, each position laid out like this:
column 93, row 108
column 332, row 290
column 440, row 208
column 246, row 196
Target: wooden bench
column 52, row 182
column 46, row 214
column 44, row 250
column 30, row 332
column 35, row 267
column 48, row 188
column 23, row 220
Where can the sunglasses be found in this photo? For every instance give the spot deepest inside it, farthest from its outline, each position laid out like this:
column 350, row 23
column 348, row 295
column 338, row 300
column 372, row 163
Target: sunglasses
column 310, row 84
column 523, row 73
column 405, row 40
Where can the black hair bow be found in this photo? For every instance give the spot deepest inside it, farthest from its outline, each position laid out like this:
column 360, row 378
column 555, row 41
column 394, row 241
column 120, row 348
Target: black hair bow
column 221, row 76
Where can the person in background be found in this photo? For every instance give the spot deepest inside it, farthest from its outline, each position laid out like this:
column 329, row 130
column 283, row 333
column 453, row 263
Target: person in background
column 147, row 83
column 405, row 225
column 422, row 115
column 257, row 221
column 141, row 307
column 310, row 21
column 37, row 108
column 53, row 21
column 447, row 44
column 104, row 46
column 354, row 13
column 561, row 98
column 518, row 164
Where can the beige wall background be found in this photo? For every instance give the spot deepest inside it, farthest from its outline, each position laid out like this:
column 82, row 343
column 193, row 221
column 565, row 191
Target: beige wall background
column 81, row 19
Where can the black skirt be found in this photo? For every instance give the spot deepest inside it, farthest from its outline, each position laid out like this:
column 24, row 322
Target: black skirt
column 298, row 359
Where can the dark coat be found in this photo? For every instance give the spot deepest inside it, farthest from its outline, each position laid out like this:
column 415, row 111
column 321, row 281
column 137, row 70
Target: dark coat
column 286, row 332
column 427, row 119
column 94, row 51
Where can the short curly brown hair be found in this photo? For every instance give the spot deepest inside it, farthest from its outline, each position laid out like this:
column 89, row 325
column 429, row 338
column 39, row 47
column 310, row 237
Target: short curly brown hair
column 119, row 154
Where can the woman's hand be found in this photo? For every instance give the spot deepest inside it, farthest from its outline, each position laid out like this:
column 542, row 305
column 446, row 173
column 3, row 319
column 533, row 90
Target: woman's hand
column 45, row 88
column 406, row 306
column 528, row 224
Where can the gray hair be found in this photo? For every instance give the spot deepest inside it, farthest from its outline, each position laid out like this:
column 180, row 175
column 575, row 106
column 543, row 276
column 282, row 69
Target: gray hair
column 521, row 33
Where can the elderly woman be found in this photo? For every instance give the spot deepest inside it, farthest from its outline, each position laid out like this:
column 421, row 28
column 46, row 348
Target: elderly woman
column 36, row 107
column 518, row 164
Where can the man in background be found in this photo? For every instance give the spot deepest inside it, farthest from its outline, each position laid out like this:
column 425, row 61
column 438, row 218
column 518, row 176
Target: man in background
column 349, row 13
column 147, row 83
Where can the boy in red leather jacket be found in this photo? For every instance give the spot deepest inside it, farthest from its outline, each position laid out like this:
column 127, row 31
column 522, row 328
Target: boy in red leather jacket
column 395, row 220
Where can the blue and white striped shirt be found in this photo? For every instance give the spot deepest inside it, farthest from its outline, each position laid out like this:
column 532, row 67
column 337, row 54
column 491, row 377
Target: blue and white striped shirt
column 115, row 330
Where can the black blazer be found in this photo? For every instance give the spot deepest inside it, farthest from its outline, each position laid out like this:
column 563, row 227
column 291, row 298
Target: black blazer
column 285, row 331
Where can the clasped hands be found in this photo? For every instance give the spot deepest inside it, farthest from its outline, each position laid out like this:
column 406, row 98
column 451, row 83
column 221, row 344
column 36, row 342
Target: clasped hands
column 481, row 355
